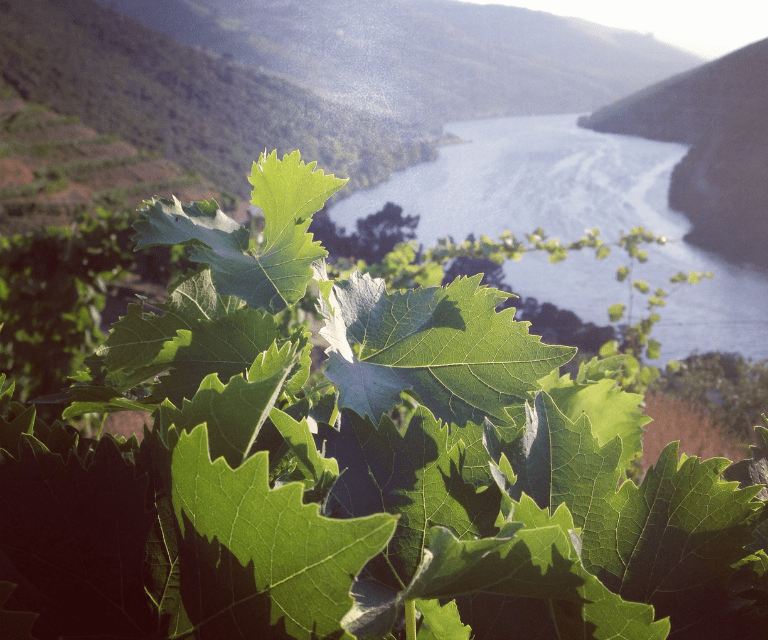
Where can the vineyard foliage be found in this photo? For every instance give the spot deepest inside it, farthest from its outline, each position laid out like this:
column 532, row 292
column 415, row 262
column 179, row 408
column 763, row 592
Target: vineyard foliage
column 435, row 477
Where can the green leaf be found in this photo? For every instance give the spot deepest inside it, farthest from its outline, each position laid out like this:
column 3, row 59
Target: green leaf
column 199, row 334
column 653, row 350
column 559, row 461
column 95, row 399
column 612, row 411
column 533, row 565
column 641, row 286
column 421, row 476
column 234, row 412
column 225, row 347
column 674, row 540
column 288, row 192
column 300, row 441
column 448, row 345
column 441, row 623
column 137, row 338
column 10, row 432
column 258, row 557
column 616, row 312
column 276, row 274
column 531, row 561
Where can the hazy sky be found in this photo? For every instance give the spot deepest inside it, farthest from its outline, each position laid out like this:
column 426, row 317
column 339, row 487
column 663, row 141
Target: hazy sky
column 709, row 29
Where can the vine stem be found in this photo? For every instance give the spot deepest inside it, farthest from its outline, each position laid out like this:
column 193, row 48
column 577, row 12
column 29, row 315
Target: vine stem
column 410, row 619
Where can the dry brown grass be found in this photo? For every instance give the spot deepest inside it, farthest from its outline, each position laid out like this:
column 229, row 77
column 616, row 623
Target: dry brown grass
column 674, row 419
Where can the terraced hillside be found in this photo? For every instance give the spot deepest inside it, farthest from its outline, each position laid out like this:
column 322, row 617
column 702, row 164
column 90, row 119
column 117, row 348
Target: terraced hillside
column 53, row 166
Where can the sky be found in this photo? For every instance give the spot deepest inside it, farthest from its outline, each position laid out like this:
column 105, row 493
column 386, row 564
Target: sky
column 708, row 29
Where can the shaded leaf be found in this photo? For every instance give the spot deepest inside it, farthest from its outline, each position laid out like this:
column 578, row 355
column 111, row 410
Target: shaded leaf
column 16, row 625
column 76, row 536
column 419, row 476
column 674, row 542
column 300, row 441
column 10, row 432
column 138, row 337
column 199, row 333
column 752, row 471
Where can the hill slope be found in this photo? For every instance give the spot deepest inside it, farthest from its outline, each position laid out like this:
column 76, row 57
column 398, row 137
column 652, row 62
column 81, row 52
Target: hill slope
column 424, row 60
column 53, row 167
column 721, row 110
column 206, row 113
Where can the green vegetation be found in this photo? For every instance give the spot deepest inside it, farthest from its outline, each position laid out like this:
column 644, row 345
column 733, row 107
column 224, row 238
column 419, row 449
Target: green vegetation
column 48, row 147
column 117, row 196
column 210, row 115
column 52, row 286
column 434, row 478
column 81, row 169
column 732, row 390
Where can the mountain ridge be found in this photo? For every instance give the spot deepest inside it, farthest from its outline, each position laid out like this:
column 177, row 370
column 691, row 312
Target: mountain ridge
column 720, row 109
column 424, row 61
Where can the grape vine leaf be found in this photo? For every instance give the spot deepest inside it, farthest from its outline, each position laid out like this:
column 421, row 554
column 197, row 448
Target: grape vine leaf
column 580, row 606
column 441, row 622
column 79, row 545
column 448, row 345
column 10, row 432
column 199, row 333
column 559, row 461
column 259, row 554
column 420, row 476
column 272, row 276
column 162, row 565
column 138, row 337
column 236, row 411
column 532, row 561
column 675, row 541
column 321, row 469
column 753, row 470
column 611, row 410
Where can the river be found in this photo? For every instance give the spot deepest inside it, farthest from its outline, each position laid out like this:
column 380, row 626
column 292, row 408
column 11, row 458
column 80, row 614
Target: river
column 522, row 173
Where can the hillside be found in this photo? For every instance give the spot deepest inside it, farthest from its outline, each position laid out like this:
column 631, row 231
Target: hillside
column 428, row 61
column 721, row 110
column 53, row 167
column 205, row 113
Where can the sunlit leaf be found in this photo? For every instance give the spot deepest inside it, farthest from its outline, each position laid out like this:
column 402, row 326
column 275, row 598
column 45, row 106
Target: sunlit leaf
column 448, row 345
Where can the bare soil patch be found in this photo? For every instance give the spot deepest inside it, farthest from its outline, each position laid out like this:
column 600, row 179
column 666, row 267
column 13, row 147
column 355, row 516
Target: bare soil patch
column 14, row 172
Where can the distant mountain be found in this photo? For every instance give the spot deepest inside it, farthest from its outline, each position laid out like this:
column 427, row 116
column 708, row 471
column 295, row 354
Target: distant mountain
column 200, row 110
column 721, row 110
column 424, row 60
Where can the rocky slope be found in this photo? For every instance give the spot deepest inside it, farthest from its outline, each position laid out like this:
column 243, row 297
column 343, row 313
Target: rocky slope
column 721, row 110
